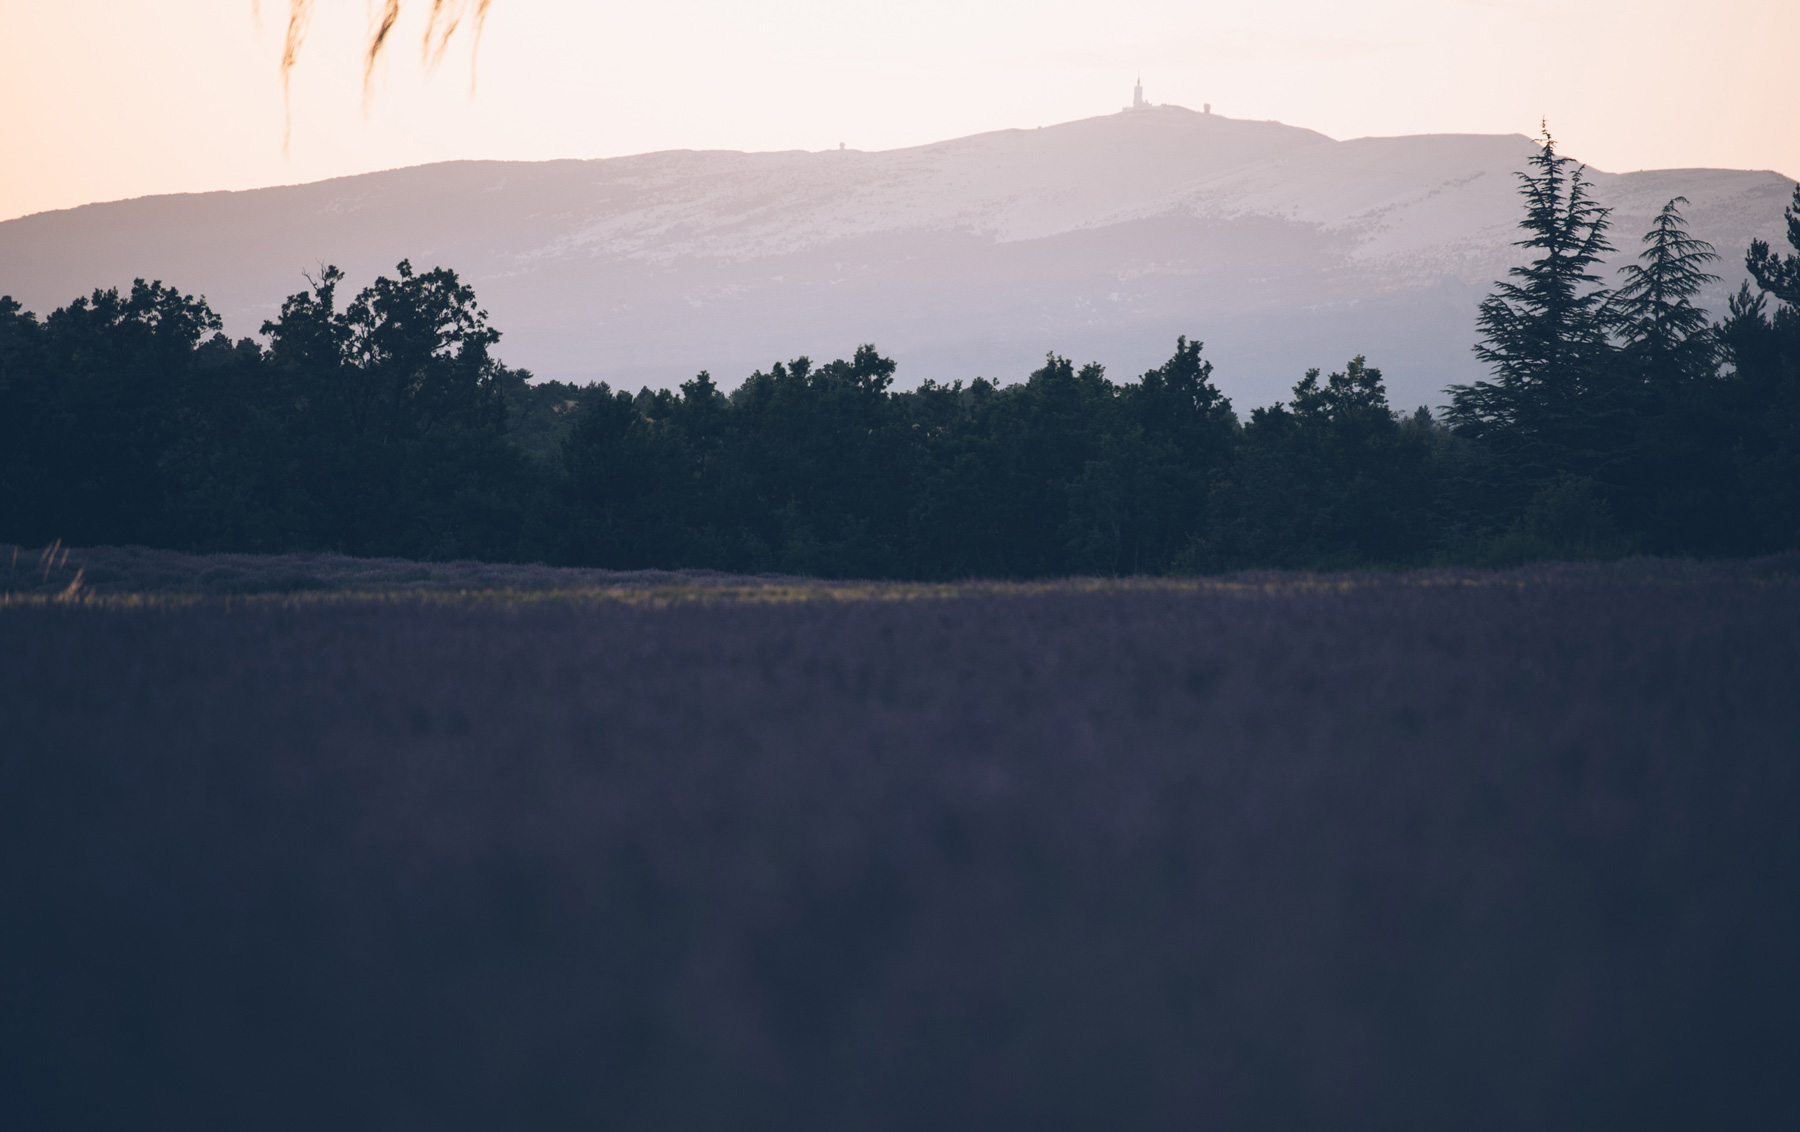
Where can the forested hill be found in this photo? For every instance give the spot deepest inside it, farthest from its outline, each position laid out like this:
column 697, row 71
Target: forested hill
column 1104, row 238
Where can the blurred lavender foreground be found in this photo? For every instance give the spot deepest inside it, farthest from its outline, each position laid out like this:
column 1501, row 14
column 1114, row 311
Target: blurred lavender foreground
column 317, row 842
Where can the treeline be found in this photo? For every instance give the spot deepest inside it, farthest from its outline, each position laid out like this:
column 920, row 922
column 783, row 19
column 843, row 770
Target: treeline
column 1615, row 421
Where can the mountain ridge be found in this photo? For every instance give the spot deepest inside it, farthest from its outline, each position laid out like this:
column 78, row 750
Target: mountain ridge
column 1100, row 238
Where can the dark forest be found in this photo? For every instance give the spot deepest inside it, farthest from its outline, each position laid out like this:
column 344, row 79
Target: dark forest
column 1615, row 421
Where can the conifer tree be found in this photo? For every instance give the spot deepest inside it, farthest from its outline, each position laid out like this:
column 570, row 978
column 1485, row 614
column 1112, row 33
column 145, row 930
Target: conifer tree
column 1763, row 346
column 1672, row 478
column 1545, row 333
column 1777, row 274
column 1665, row 334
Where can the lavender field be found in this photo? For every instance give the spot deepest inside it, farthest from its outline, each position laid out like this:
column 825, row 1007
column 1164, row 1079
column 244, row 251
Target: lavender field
column 316, row 842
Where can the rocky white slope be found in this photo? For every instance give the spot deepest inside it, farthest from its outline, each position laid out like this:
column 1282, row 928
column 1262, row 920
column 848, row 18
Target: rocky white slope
column 1100, row 239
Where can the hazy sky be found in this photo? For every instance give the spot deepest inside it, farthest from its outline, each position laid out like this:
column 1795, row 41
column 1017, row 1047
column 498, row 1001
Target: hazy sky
column 102, row 99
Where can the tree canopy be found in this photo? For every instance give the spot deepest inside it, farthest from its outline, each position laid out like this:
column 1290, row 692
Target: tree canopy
column 386, row 425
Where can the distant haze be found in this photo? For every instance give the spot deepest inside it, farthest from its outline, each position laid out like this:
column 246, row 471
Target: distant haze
column 1100, row 239
column 108, row 99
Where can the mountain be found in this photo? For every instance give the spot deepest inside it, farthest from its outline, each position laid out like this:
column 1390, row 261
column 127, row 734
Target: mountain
column 1101, row 239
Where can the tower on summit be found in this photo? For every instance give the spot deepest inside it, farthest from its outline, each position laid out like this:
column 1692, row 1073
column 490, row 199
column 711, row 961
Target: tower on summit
column 1137, row 95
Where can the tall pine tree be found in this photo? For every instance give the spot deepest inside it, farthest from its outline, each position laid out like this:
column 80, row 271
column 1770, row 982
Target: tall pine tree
column 1666, row 336
column 1763, row 346
column 1677, row 486
column 1544, row 332
column 1777, row 274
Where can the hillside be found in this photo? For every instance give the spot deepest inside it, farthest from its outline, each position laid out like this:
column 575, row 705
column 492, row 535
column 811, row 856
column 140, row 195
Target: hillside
column 1102, row 238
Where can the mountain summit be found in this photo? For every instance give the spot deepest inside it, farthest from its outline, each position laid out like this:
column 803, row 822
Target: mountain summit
column 1099, row 239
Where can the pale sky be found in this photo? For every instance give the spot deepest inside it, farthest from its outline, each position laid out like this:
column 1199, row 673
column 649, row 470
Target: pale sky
column 104, row 99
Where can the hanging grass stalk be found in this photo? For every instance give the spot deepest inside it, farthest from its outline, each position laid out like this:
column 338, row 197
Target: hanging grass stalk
column 441, row 24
